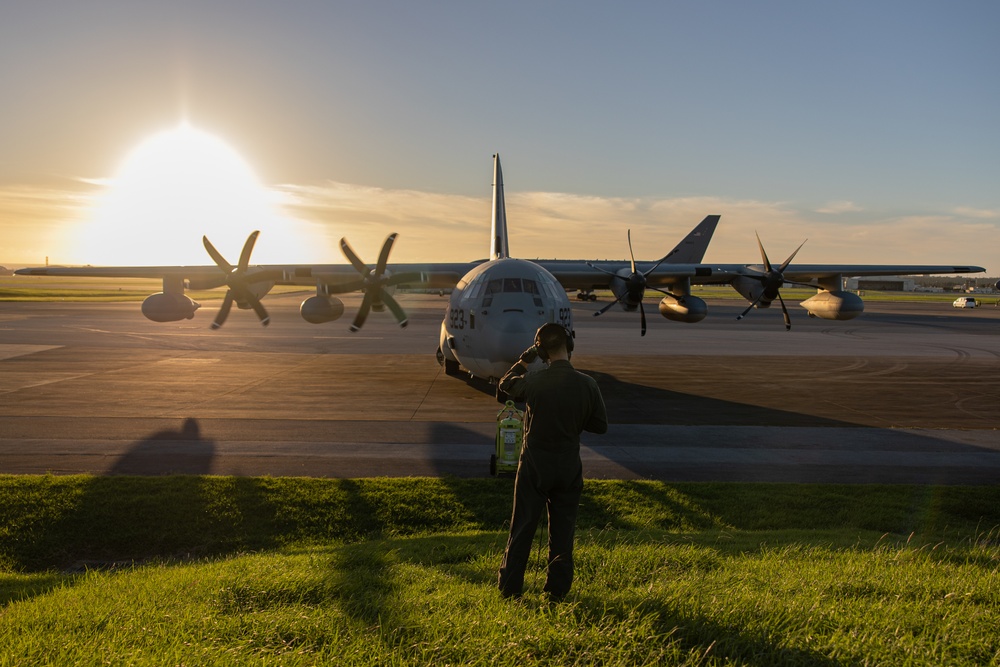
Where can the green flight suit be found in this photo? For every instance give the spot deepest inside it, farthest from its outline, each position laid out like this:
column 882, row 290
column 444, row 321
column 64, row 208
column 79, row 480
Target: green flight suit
column 560, row 404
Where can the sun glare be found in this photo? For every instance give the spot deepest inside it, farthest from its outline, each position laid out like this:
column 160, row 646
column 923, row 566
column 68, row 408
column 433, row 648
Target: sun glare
column 177, row 186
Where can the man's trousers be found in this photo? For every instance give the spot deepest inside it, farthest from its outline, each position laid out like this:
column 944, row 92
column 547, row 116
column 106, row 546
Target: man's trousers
column 545, row 480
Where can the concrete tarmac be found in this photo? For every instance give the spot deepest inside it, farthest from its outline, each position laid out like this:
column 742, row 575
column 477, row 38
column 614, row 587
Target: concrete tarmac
column 903, row 394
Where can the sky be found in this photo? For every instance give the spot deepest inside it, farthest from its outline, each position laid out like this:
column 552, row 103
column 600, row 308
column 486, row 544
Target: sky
column 128, row 130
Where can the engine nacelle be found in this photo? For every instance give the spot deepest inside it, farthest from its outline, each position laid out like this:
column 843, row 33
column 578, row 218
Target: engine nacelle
column 161, row 307
column 259, row 288
column 320, row 309
column 683, row 308
column 834, row 305
column 750, row 289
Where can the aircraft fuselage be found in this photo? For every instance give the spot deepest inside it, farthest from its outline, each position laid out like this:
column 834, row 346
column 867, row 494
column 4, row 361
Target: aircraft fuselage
column 493, row 314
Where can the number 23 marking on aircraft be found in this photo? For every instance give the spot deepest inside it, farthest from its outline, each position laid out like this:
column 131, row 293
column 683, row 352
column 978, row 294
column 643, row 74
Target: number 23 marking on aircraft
column 456, row 317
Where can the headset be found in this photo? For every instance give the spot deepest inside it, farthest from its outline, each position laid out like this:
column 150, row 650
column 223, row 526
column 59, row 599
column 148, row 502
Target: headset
column 543, row 354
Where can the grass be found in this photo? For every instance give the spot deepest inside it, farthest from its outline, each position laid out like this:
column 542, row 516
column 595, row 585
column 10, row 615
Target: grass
column 212, row 570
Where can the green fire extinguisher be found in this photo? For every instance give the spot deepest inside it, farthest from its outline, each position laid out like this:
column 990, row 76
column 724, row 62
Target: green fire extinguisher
column 510, row 438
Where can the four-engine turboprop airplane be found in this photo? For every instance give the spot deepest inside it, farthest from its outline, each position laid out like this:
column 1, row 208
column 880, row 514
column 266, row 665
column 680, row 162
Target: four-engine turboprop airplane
column 497, row 304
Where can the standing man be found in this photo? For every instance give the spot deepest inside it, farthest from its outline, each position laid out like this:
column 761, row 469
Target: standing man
column 561, row 403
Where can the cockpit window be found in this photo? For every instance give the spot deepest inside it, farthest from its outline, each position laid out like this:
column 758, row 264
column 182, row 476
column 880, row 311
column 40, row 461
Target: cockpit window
column 475, row 289
column 537, row 288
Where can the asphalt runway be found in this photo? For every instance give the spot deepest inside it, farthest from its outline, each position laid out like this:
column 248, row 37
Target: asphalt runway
column 903, row 394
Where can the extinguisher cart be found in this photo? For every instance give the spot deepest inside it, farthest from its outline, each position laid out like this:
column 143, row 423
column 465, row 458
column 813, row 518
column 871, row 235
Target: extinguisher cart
column 510, row 438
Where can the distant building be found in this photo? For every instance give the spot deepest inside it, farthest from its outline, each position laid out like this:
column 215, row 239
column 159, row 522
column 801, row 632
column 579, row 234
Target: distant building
column 882, row 284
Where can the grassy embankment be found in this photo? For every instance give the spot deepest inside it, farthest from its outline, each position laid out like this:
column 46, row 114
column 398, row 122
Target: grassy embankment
column 209, row 570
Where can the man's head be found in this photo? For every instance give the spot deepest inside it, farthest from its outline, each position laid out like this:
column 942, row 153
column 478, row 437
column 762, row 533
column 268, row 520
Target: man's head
column 553, row 340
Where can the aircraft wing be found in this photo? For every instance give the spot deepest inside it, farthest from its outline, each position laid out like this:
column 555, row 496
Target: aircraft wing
column 196, row 272
column 814, row 272
column 576, row 275
column 825, row 276
column 433, row 275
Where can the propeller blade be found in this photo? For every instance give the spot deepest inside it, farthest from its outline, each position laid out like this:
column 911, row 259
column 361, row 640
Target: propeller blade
column 609, row 306
column 366, row 305
column 630, row 253
column 383, row 256
column 655, row 266
column 784, row 313
column 353, row 258
column 597, row 268
column 763, row 255
column 247, row 249
column 216, row 256
column 642, row 315
column 395, row 308
column 223, row 313
column 791, row 257
column 258, row 308
column 755, row 302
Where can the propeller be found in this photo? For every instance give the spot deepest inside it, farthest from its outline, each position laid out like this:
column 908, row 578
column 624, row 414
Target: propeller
column 771, row 281
column 374, row 283
column 238, row 280
column 635, row 286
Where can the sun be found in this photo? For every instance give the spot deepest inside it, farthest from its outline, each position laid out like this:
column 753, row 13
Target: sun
column 177, row 186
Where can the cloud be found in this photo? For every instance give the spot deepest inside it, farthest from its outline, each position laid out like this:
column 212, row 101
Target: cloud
column 983, row 213
column 446, row 227
column 838, row 207
column 34, row 220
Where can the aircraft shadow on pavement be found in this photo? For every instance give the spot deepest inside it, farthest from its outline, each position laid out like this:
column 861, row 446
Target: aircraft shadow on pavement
column 169, row 452
column 631, row 403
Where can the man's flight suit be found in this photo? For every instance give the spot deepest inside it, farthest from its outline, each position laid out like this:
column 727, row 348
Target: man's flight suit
column 561, row 403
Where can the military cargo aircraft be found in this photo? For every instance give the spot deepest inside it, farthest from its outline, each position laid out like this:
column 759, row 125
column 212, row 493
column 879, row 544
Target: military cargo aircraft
column 496, row 304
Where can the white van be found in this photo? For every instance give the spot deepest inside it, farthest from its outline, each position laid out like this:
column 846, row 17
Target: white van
column 965, row 302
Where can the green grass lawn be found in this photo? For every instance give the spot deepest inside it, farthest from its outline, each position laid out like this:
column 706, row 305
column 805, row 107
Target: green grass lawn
column 213, row 570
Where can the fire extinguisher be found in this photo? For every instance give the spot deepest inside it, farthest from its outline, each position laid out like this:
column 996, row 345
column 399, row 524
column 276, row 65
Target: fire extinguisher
column 510, row 439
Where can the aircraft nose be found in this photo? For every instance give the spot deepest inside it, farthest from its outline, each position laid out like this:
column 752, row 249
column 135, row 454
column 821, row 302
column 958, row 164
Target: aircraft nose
column 515, row 332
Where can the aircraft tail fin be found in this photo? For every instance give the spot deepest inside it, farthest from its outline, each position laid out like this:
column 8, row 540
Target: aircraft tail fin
column 691, row 249
column 498, row 228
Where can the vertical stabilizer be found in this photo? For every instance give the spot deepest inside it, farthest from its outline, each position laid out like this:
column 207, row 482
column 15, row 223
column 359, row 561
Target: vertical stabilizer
column 498, row 227
column 691, row 249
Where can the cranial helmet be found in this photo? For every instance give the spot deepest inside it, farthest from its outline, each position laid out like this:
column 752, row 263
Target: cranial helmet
column 552, row 336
